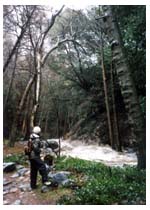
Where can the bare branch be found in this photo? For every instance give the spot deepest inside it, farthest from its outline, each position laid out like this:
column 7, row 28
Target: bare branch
column 18, row 40
column 50, row 26
column 57, row 45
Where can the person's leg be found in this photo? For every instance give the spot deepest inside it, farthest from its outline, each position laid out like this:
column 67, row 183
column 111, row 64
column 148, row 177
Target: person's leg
column 33, row 174
column 42, row 170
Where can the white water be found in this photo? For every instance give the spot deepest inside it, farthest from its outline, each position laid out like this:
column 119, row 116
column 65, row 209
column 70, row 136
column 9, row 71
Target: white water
column 97, row 153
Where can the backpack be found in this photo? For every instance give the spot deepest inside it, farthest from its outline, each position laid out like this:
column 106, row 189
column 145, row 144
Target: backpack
column 28, row 148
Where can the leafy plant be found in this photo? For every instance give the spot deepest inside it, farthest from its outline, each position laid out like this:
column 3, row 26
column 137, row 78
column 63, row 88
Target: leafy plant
column 104, row 185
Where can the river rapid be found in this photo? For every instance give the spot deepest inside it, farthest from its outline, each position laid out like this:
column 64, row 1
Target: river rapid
column 104, row 154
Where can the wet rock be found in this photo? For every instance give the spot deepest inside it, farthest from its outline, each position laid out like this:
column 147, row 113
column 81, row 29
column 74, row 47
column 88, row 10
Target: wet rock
column 26, row 179
column 6, row 188
column 17, row 202
column 28, row 172
column 59, row 177
column 25, row 188
column 13, row 190
column 68, row 183
column 67, row 173
column 52, row 144
column 9, row 167
column 44, row 189
column 21, row 178
column 22, row 171
column 19, row 167
column 5, row 192
column 5, row 182
column 15, row 175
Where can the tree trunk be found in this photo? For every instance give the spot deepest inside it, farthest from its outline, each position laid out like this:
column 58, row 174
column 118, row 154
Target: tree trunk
column 58, row 130
column 27, row 127
column 26, row 116
column 37, row 90
column 11, row 82
column 16, row 124
column 116, row 135
column 32, row 119
column 127, row 85
column 106, row 96
column 42, row 110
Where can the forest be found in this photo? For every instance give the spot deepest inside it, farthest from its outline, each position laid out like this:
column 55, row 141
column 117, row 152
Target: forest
column 79, row 75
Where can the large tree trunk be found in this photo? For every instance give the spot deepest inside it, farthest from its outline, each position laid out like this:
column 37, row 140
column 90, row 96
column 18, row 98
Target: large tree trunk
column 116, row 135
column 106, row 96
column 127, row 85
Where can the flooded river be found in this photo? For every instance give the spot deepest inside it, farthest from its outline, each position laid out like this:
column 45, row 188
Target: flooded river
column 104, row 154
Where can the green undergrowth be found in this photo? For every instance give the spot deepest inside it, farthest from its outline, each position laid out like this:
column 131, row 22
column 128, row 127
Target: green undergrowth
column 102, row 185
column 16, row 158
column 95, row 183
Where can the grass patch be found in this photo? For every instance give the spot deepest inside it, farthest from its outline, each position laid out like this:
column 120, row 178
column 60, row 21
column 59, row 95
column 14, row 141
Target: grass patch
column 52, row 196
column 14, row 154
column 103, row 185
column 18, row 159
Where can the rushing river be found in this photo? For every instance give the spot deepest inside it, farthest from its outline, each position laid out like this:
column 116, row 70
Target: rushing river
column 104, row 154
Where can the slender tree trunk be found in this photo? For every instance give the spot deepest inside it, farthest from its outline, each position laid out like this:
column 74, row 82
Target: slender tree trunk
column 24, row 122
column 58, row 124
column 42, row 110
column 117, row 140
column 106, row 96
column 11, row 83
column 33, row 113
column 58, row 130
column 127, row 85
column 37, row 90
column 29, row 109
column 16, row 124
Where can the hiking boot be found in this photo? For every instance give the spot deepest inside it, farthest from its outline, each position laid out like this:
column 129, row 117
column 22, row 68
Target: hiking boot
column 47, row 183
column 34, row 187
